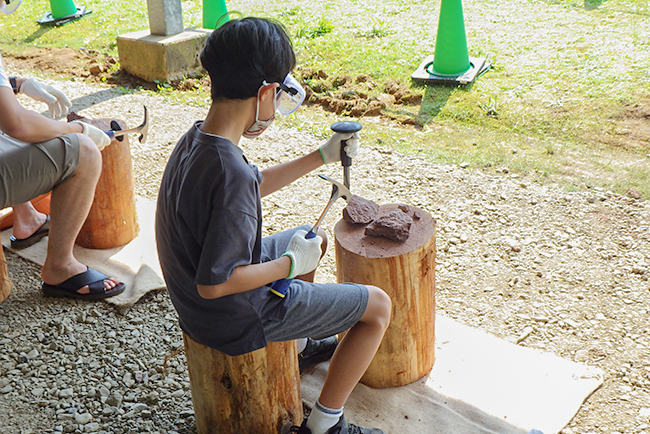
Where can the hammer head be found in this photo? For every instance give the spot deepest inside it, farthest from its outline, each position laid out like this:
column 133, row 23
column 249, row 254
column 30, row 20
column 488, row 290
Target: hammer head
column 339, row 189
column 144, row 128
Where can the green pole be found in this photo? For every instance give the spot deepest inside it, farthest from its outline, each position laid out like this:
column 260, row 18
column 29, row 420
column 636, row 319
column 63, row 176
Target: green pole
column 62, row 8
column 213, row 11
column 450, row 56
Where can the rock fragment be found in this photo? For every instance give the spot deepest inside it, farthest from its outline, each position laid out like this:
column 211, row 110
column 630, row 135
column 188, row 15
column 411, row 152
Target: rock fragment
column 360, row 210
column 394, row 225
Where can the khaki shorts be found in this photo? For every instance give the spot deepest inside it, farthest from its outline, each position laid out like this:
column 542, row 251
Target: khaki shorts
column 28, row 170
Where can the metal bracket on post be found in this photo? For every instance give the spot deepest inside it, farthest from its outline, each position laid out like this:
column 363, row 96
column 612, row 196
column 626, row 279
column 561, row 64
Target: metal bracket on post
column 165, row 17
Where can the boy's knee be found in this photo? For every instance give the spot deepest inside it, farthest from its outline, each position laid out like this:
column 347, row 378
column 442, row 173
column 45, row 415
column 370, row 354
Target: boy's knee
column 381, row 305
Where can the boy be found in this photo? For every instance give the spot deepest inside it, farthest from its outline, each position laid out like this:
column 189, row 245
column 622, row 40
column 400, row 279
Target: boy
column 217, row 266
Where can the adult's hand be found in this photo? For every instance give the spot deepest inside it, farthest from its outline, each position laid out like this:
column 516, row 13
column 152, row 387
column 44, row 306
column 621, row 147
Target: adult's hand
column 57, row 103
column 98, row 136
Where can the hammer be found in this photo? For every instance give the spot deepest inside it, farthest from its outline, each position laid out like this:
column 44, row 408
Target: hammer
column 280, row 287
column 117, row 132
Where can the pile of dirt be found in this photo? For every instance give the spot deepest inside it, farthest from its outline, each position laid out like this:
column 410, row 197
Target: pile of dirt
column 347, row 95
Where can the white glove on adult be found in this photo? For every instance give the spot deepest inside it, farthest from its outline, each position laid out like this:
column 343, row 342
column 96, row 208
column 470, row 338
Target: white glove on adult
column 100, row 138
column 57, row 103
column 304, row 253
column 330, row 151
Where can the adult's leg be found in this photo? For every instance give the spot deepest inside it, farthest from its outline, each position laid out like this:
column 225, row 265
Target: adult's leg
column 356, row 350
column 69, row 207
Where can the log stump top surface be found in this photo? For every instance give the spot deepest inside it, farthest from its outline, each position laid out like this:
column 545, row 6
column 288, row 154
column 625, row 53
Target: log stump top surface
column 352, row 237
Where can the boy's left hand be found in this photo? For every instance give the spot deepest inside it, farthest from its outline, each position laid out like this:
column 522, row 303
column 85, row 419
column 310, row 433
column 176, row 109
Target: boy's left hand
column 330, row 151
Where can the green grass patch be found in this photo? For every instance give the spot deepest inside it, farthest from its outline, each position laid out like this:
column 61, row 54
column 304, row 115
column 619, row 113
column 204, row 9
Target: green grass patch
column 555, row 105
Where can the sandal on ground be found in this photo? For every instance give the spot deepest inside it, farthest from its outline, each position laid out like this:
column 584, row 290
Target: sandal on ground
column 23, row 243
column 91, row 278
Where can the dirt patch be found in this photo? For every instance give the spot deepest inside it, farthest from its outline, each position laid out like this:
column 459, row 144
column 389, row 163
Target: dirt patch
column 65, row 62
column 342, row 94
column 632, row 128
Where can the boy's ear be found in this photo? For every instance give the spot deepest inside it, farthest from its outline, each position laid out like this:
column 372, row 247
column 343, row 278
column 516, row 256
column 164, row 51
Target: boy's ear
column 267, row 90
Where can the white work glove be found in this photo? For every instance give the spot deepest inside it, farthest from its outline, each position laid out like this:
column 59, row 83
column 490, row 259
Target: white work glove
column 304, row 253
column 100, row 138
column 330, row 151
column 57, row 103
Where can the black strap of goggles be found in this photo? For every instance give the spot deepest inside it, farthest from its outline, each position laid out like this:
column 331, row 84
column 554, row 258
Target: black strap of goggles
column 284, row 87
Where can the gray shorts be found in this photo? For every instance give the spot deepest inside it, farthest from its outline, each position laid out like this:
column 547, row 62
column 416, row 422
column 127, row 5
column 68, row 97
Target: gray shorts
column 28, row 170
column 314, row 310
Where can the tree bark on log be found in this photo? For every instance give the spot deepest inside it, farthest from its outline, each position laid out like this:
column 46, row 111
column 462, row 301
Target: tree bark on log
column 406, row 271
column 112, row 220
column 257, row 392
column 5, row 283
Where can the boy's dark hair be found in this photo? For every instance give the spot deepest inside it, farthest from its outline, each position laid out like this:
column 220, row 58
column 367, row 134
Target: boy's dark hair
column 242, row 53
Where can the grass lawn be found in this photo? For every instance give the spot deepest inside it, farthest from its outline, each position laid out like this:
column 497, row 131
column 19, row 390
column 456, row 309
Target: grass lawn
column 567, row 98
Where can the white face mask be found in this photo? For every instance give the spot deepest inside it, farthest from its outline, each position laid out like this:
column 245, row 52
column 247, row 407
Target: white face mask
column 258, row 126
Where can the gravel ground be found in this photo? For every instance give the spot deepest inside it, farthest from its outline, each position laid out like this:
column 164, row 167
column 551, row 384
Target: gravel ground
column 565, row 272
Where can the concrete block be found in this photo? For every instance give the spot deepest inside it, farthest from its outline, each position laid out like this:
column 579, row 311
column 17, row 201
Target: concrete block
column 164, row 58
column 165, row 17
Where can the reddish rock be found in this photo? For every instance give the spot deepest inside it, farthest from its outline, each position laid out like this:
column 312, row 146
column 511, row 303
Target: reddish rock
column 394, row 225
column 360, row 210
column 633, row 194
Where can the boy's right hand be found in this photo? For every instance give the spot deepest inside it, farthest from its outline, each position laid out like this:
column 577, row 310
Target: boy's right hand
column 304, row 253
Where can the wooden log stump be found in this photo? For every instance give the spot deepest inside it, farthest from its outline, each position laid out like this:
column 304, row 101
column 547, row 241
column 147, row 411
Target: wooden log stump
column 112, row 220
column 5, row 283
column 257, row 392
column 406, row 271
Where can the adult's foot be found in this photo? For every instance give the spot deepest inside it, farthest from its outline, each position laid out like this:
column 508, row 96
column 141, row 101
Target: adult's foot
column 92, row 279
column 54, row 276
column 28, row 224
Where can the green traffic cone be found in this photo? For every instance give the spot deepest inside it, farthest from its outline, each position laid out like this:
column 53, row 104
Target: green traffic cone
column 450, row 56
column 62, row 8
column 63, row 11
column 450, row 64
column 213, row 12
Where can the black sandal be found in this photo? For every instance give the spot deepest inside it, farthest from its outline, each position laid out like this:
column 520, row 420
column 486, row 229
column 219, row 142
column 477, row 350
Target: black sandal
column 34, row 238
column 91, row 278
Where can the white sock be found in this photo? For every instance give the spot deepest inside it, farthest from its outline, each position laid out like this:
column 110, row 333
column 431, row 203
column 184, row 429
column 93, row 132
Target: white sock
column 322, row 418
column 301, row 344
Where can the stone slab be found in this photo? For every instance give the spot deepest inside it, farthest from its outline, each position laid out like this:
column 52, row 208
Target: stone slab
column 163, row 58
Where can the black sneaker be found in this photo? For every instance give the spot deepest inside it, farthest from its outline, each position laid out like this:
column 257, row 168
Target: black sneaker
column 316, row 352
column 341, row 427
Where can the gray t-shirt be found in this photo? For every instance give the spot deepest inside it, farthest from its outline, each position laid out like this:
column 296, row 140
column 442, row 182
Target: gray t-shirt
column 209, row 221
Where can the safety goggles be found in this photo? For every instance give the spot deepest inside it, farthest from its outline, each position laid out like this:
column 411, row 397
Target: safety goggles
column 9, row 6
column 289, row 96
